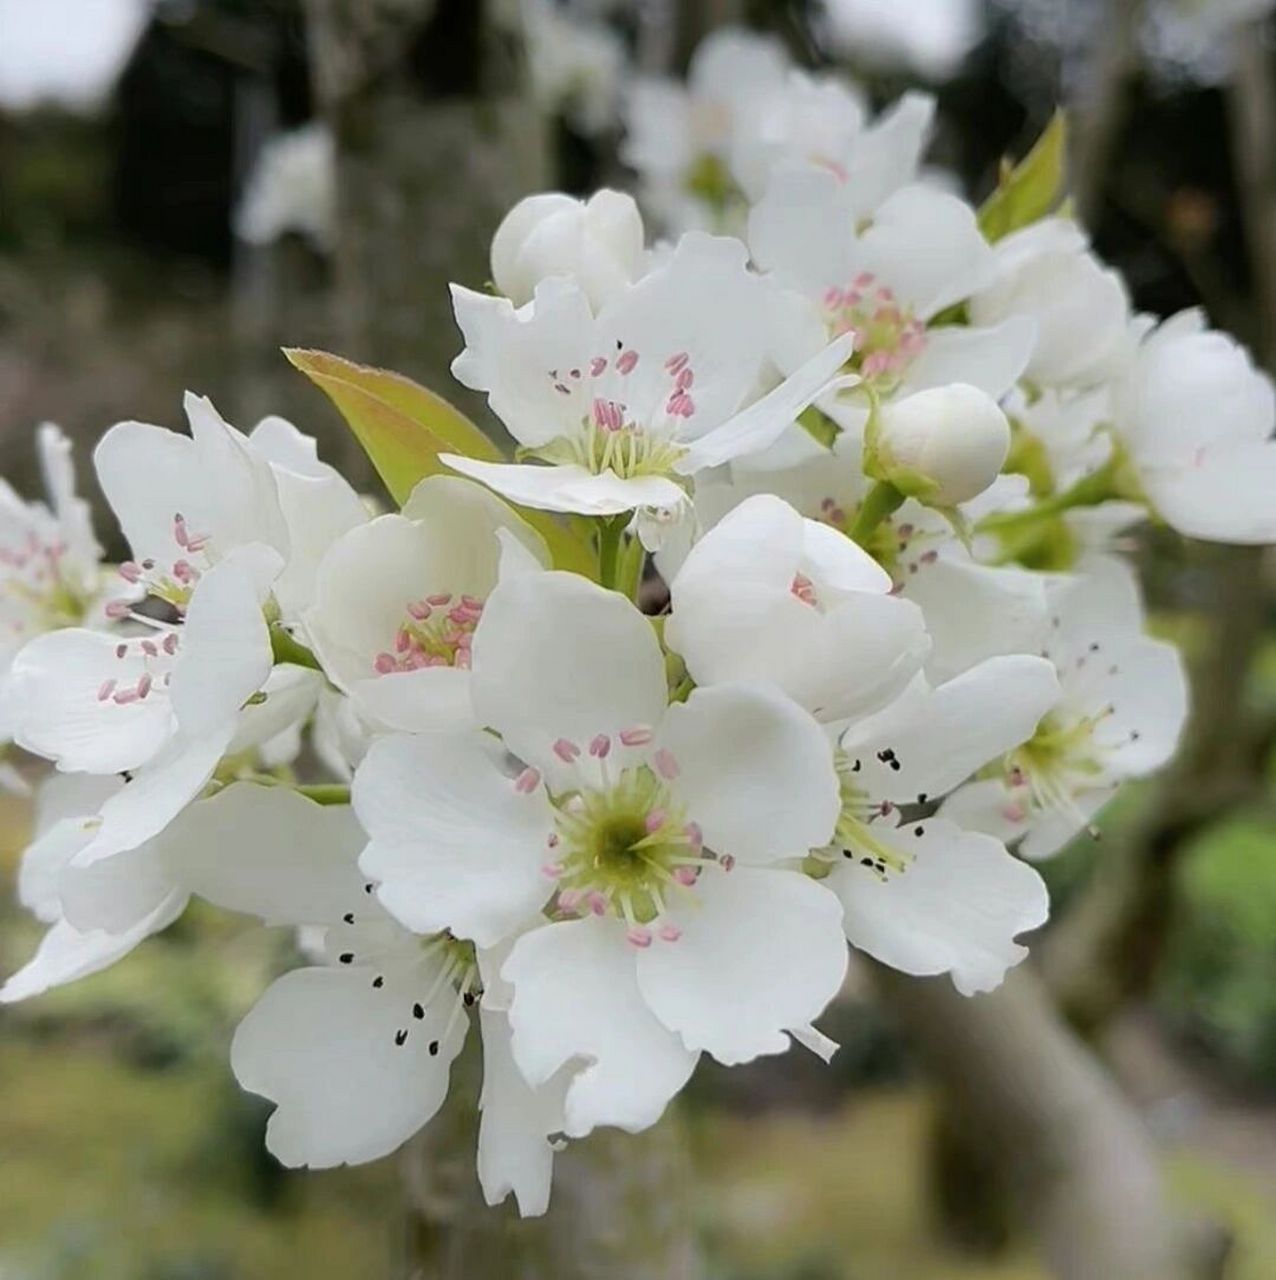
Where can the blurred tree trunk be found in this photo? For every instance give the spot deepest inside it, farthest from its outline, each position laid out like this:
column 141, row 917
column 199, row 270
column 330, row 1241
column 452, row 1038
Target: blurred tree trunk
column 1073, row 1161
column 436, row 139
column 620, row 1209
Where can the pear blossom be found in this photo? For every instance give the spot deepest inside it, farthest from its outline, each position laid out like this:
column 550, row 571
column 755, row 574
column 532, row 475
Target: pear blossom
column 945, row 445
column 867, row 278
column 161, row 707
column 50, row 570
column 96, row 915
column 292, row 188
column 397, row 602
column 926, row 895
column 678, row 138
column 768, row 595
column 623, row 407
column 598, row 242
column 1195, row 418
column 184, row 502
column 355, row 1052
column 653, row 837
column 576, row 65
column 1123, row 705
column 971, row 610
column 1081, row 308
column 821, row 120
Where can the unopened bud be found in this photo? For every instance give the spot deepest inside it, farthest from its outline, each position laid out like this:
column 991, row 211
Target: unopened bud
column 598, row 243
column 943, row 446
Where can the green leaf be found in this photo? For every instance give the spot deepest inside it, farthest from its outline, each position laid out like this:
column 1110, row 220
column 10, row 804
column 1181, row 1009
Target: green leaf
column 1032, row 188
column 403, row 428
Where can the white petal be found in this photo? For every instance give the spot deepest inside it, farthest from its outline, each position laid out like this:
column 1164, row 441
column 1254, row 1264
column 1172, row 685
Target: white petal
column 926, row 246
column 320, row 1044
column 569, row 489
column 975, row 611
column 765, row 420
column 761, row 951
column 224, row 656
column 933, row 739
column 269, row 852
column 65, row 954
column 755, row 772
column 576, row 998
column 956, row 909
column 1226, row 495
column 514, row 1152
column 119, row 894
column 557, row 657
column 156, row 795
column 54, row 692
column 452, row 842
column 429, row 700
column 991, row 359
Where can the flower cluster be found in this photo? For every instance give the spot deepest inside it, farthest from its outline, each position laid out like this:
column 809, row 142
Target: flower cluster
column 864, row 469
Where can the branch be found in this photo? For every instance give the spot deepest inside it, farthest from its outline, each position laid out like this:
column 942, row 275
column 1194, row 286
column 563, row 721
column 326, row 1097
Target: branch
column 1078, row 1165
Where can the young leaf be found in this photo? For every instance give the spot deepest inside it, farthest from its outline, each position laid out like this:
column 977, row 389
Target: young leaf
column 1032, row 188
column 403, row 427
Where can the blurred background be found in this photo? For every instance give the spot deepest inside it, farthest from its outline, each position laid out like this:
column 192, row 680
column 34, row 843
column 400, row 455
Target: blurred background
column 172, row 211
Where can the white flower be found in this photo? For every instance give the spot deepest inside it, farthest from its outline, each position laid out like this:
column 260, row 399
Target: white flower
column 184, row 502
column 678, row 137
column 292, row 187
column 944, row 446
column 50, row 571
column 929, row 38
column 622, row 407
column 597, row 242
column 98, row 914
column 769, row 596
column 397, row 602
column 971, row 610
column 925, row 895
column 1123, row 706
column 655, row 834
column 884, row 281
column 1081, row 308
column 355, row 1052
column 162, row 707
column 576, row 65
column 821, row 121
column 1196, row 419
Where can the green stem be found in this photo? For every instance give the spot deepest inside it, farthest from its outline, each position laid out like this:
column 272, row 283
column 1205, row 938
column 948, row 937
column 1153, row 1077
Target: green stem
column 287, row 648
column 1089, row 491
column 883, row 500
column 610, row 531
column 325, row 792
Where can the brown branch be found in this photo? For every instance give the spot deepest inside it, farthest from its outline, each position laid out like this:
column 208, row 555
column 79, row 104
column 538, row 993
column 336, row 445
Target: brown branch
column 1072, row 1157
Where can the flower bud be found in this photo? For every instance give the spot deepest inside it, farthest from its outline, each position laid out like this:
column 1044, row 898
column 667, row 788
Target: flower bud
column 943, row 446
column 599, row 244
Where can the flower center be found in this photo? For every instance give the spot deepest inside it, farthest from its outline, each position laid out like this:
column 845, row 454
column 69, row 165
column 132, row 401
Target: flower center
column 856, row 835
column 611, row 435
column 1060, row 760
column 145, row 668
column 171, row 580
column 436, row 632
column 622, row 844
column 33, row 574
column 888, row 336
